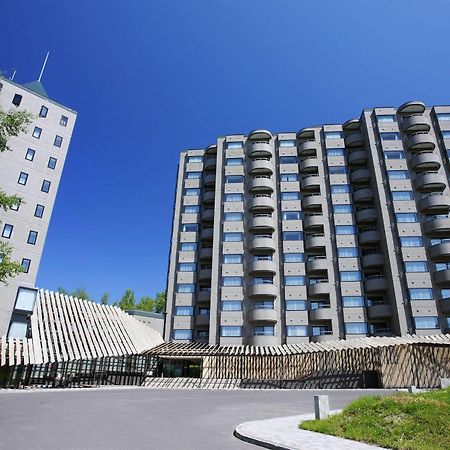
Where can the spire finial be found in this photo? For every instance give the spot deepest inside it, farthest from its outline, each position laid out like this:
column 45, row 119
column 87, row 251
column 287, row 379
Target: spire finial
column 43, row 66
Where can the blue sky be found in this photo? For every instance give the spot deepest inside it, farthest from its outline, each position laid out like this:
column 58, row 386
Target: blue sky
column 151, row 78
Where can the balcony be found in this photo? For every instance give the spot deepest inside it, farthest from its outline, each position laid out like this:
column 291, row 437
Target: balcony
column 372, row 260
column 309, row 164
column 366, row 215
column 318, row 264
column 369, row 237
column 262, row 266
column 263, row 315
column 437, row 203
column 264, row 244
column 208, row 215
column 261, row 222
column 354, row 140
column 205, row 254
column 426, row 160
column 420, row 141
column 204, row 274
column 269, row 341
column 442, row 278
column 437, row 226
column 261, row 148
column 260, row 166
column 320, row 288
column 209, row 180
column 313, row 222
column 322, row 313
column 360, row 176
column 208, row 197
column 375, row 283
column 363, row 194
column 445, row 305
column 416, row 124
column 204, row 296
column 262, row 202
column 315, row 242
column 411, row 108
column 440, row 252
column 211, row 150
column 310, row 183
column 260, row 135
column 307, row 148
column 306, row 133
column 261, row 184
column 357, row 157
column 430, row 181
column 262, row 291
column 210, row 164
column 312, row 202
column 352, row 125
column 379, row 311
column 202, row 320
column 207, row 234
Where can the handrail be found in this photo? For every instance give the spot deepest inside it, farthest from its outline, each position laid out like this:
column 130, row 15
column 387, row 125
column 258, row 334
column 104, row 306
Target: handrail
column 374, row 277
column 262, row 195
column 262, row 236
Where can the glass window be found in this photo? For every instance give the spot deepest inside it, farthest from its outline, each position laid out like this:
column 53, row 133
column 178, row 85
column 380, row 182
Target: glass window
column 15, row 207
column 340, row 188
column 406, row 217
column 17, row 99
column 43, row 112
column 231, row 281
column 400, row 196
column 18, row 329
column 39, row 211
column 286, row 143
column 45, row 186
column 232, row 259
column 234, row 161
column 335, row 152
column 348, row 252
column 263, row 304
column 231, row 305
column 193, row 175
column 267, row 330
column 233, row 216
column 234, row 197
column 189, row 192
column 296, row 305
column 290, row 196
column 345, row 229
column 262, row 258
column 289, row 177
column 390, row 136
column 234, row 179
column 291, row 215
column 442, row 266
column 230, row 331
column 182, row 334
column 263, row 280
column 25, row 299
column 292, row 236
column 7, row 230
column 398, row 174
column 186, row 288
column 188, row 246
column 232, row 237
column 187, row 267
column 296, row 330
column 333, row 135
column 337, row 170
column 195, row 159
column 26, row 264
column 353, row 275
column 32, row 237
column 443, row 116
column 426, row 323
column 420, row 294
column 189, row 227
column 385, row 118
column 352, row 301
column 288, row 160
column 191, row 209
column 445, row 293
column 23, row 177
column 416, row 266
column 356, row 328
column 411, row 241
column 394, row 155
column 342, row 209
column 293, row 257
column 30, row 154
column 297, row 280
column 446, row 134
column 63, row 121
column 51, row 163
column 37, row 132
column 235, row 144
column 184, row 310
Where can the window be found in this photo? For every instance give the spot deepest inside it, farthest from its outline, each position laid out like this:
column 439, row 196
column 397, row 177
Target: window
column 23, row 177
column 7, row 230
column 335, row 152
column 39, row 211
column 394, row 155
column 43, row 112
column 416, row 266
column 232, row 237
column 356, row 328
column 342, row 209
column 188, row 246
column 353, row 275
column 189, row 192
column 231, row 281
column 292, row 236
column 234, row 161
column 263, row 280
column 232, row 259
column 202, row 334
column 420, row 294
column 298, row 280
column 426, row 323
column 45, row 186
column 293, row 257
column 30, row 154
column 233, row 216
column 234, row 179
column 386, row 118
column 411, row 241
column 288, row 160
column 289, row 177
column 189, row 227
column 32, row 237
column 187, row 267
column 296, row 305
column 195, row 159
column 193, row 175
column 296, row 330
column 443, row 116
column 268, row 330
column 17, row 99
column 345, row 229
column 290, row 196
column 352, row 301
column 235, row 145
column 25, row 299
column 63, row 121
column 230, row 331
column 15, row 207
column 400, row 196
column 446, row 134
column 263, row 304
column 191, row 209
column 18, row 329
column 348, row 252
column 37, row 132
column 406, row 217
column 398, row 174
column 445, row 293
column 234, row 197
column 337, row 170
column 51, row 163
column 291, row 215
column 182, row 334
column 184, row 310
column 391, row 136
column 231, row 305
column 442, row 266
column 340, row 188
column 26, row 265
column 286, row 143
column 333, row 135
column 186, row 288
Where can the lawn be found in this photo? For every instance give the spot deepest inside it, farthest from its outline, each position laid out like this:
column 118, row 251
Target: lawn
column 401, row 421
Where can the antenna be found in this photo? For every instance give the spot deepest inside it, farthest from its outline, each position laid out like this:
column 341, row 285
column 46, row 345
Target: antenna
column 13, row 75
column 43, row 66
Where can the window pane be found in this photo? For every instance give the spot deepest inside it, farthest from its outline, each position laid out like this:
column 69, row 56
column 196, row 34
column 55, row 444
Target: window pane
column 51, row 163
column 406, row 217
column 286, row 143
column 39, row 211
column 30, row 154
column 7, row 230
column 292, row 235
column 32, row 237
column 340, row 188
column 445, row 134
column 191, row 192
column 298, row 280
column 345, row 229
column 233, row 216
column 297, row 330
column 391, row 136
column 23, row 177
column 182, row 334
column 234, row 179
column 350, row 276
column 420, row 294
column 186, row 288
column 398, row 174
column 294, row 257
column 296, row 305
column 235, row 144
column 333, row 134
column 416, row 266
column 291, row 215
column 402, row 195
column 268, row 330
column 443, row 116
column 26, row 264
column 232, row 259
column 43, row 112
column 348, row 252
column 288, row 160
column 18, row 329
column 289, row 177
column 337, row 170
column 234, row 197
column 191, row 209
column 386, row 118
column 187, row 267
column 356, row 328
column 37, row 132
column 412, row 241
column 342, row 209
column 193, row 175
column 58, row 141
column 352, row 301
column 231, row 281
column 63, row 121
column 184, row 310
column 335, row 152
column 195, row 159
column 25, row 299
column 290, row 196
column 426, row 323
column 231, row 305
column 189, row 227
column 188, row 246
column 45, row 186
column 230, row 331
column 232, row 237
column 394, row 155
column 234, row 161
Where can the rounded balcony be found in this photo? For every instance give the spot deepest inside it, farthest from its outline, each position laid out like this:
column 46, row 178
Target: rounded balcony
column 262, row 244
column 260, row 166
column 375, row 283
column 316, row 265
column 410, row 108
column 444, row 305
column 420, row 141
column 211, row 150
column 268, row 341
column 425, row 161
column 328, row 336
column 262, row 222
column 208, row 215
column 436, row 203
column 369, row 237
column 205, row 254
column 202, row 320
column 366, row 215
column 442, row 278
column 352, row 125
column 372, row 260
column 319, row 289
column 323, row 313
column 313, row 222
column 354, row 140
column 204, row 274
column 430, row 181
column 209, row 180
column 261, row 184
column 208, row 197
column 261, row 148
column 312, row 202
column 207, row 234
column 416, row 124
column 315, row 242
column 440, row 252
column 310, row 183
column 262, row 266
column 306, row 133
column 258, row 135
column 307, row 148
column 362, row 195
column 437, row 226
column 210, row 163
column 360, row 176
column 357, row 157
column 262, row 291
column 309, row 164
column 262, row 203
column 263, row 315
column 204, row 296
column 379, row 311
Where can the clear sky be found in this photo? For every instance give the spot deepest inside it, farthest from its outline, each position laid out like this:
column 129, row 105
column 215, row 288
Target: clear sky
column 151, row 78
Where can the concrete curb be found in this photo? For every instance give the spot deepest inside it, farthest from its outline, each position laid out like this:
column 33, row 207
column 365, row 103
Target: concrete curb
column 282, row 433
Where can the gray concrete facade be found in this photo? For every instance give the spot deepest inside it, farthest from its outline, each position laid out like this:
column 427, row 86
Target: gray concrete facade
column 336, row 231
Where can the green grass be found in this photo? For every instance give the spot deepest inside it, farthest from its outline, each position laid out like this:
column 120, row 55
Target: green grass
column 401, row 421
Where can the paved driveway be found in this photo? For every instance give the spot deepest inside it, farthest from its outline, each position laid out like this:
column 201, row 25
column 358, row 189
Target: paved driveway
column 140, row 418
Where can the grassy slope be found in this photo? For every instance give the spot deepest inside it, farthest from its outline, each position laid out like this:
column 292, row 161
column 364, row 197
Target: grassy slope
column 401, row 421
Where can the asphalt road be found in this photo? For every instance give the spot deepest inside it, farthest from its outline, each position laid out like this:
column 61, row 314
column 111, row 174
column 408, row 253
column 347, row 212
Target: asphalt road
column 140, row 418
